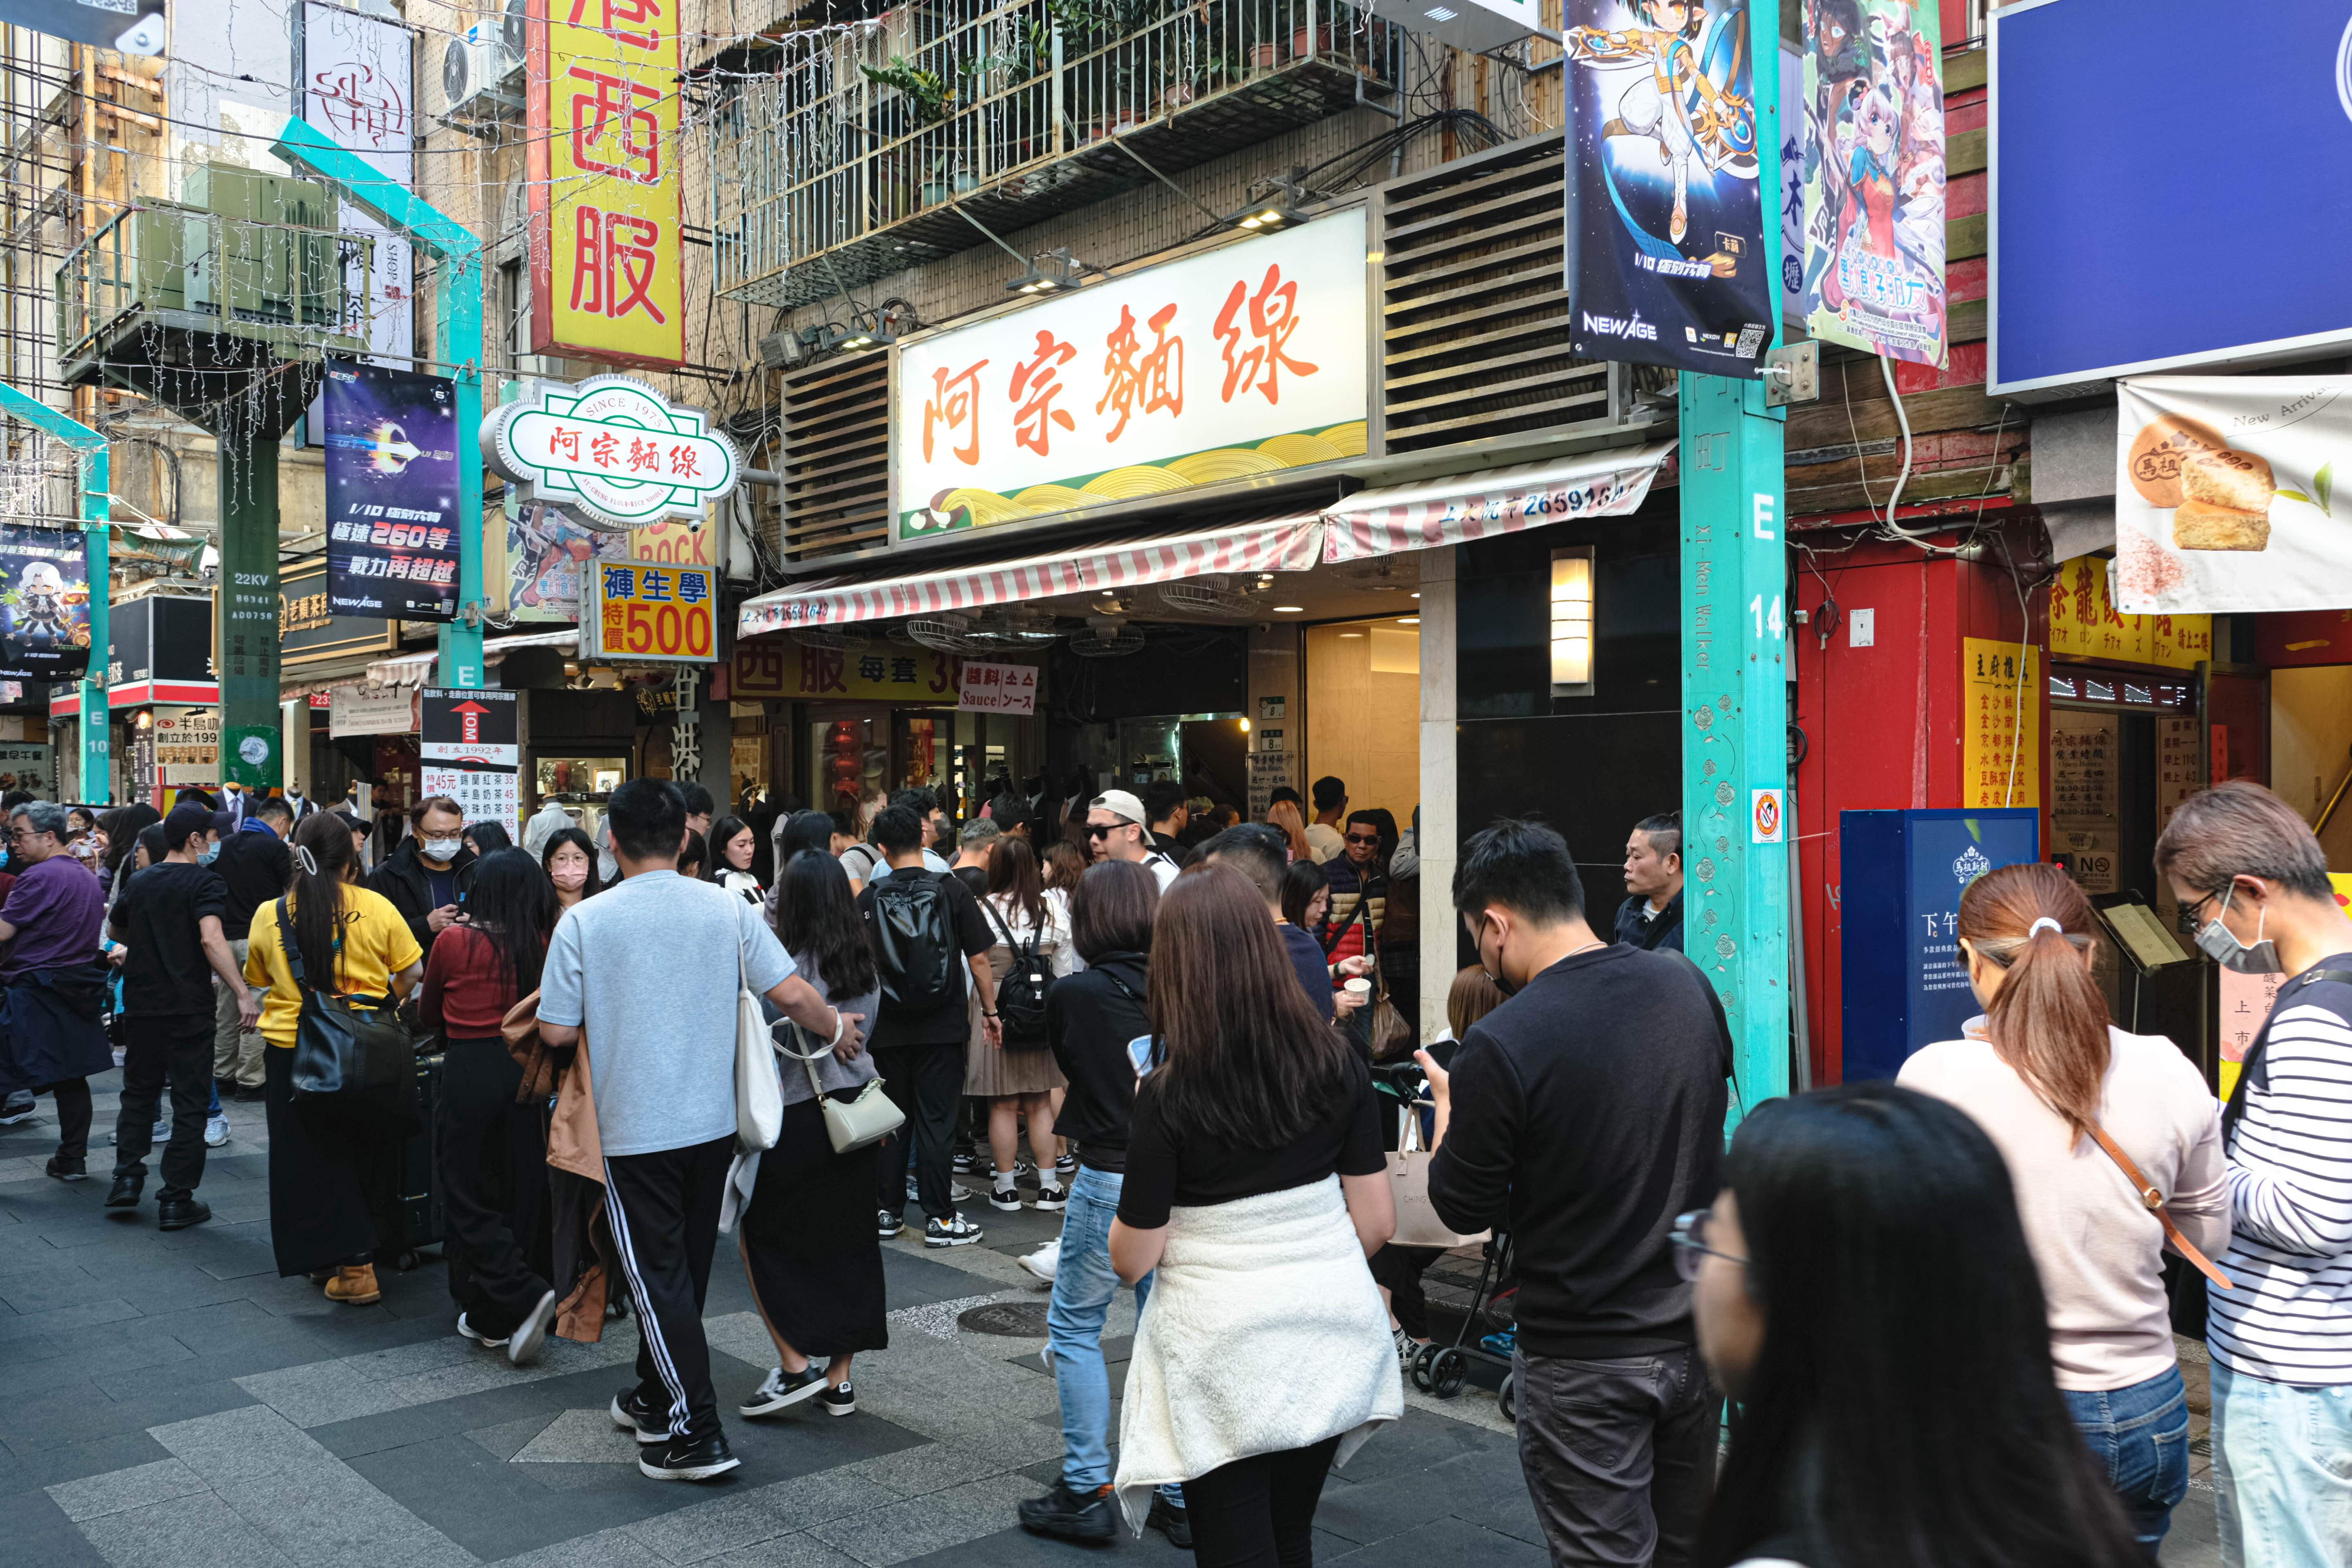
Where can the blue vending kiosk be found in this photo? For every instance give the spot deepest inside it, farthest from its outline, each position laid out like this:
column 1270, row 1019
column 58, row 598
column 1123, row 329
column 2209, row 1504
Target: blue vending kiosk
column 1902, row 874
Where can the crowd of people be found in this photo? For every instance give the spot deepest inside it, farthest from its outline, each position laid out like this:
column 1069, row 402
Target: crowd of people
column 1941, row 1310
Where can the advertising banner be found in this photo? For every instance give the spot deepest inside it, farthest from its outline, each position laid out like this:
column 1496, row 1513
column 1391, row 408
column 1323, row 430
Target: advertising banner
column 357, row 86
column 2083, row 620
column 29, row 767
column 615, row 453
column 44, row 605
column 2000, row 747
column 1874, row 116
column 391, row 493
column 545, row 552
column 997, row 687
column 370, row 710
column 1666, row 218
column 477, row 724
column 647, row 611
column 606, row 247
column 483, row 794
column 2226, row 494
column 783, row 667
column 187, row 745
column 1244, row 360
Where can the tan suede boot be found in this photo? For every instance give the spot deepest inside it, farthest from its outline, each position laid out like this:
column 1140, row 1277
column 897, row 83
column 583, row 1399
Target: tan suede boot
column 354, row 1286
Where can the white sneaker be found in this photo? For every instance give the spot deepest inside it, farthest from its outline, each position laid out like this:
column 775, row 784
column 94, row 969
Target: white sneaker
column 488, row 1341
column 1044, row 1261
column 215, row 1130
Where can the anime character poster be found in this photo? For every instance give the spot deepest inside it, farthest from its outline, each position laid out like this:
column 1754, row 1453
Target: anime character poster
column 44, row 605
column 1874, row 107
column 391, row 493
column 1666, row 259
column 545, row 552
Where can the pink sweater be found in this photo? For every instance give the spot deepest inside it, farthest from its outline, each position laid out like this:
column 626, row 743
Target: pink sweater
column 2099, row 1252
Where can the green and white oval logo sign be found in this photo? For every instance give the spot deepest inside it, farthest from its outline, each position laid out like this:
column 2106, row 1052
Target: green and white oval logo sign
column 611, row 452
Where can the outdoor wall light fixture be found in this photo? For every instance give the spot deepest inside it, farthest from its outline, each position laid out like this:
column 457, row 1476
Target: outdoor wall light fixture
column 1052, row 273
column 1572, row 622
column 1277, row 209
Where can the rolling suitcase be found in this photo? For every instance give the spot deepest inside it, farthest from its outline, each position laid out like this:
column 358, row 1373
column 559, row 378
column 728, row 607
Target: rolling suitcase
column 417, row 1216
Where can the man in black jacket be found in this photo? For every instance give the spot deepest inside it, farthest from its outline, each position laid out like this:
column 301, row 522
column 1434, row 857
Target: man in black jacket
column 427, row 875
column 1583, row 1115
column 255, row 864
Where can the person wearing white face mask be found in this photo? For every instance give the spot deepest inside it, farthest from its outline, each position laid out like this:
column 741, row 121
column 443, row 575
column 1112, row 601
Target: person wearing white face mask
column 426, row 878
column 2254, row 881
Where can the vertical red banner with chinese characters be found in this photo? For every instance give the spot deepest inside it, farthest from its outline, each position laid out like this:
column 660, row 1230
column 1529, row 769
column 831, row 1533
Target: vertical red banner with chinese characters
column 607, row 255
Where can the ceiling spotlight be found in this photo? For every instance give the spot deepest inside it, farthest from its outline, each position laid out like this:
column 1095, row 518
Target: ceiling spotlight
column 834, row 335
column 1290, row 609
column 1052, row 273
column 1277, row 209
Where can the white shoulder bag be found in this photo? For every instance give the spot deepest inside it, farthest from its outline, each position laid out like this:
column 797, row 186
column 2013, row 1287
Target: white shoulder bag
column 758, row 1096
column 867, row 1118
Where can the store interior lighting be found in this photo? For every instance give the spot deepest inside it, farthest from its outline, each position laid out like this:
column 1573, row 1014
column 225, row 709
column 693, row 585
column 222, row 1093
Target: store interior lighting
column 1572, row 622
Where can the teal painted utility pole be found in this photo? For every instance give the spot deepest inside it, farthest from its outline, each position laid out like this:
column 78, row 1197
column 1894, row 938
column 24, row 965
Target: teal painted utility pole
column 90, row 448
column 1736, row 830
column 456, row 343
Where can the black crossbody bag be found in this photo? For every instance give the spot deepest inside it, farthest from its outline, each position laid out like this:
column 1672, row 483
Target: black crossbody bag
column 354, row 1053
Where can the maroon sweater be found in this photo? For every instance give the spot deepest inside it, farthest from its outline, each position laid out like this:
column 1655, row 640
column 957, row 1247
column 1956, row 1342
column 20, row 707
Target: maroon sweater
column 465, row 993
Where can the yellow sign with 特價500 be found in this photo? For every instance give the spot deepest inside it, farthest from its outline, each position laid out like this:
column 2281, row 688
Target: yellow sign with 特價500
column 648, row 611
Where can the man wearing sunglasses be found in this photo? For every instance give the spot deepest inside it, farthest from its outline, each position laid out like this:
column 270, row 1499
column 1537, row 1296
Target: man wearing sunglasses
column 2253, row 883
column 1116, row 830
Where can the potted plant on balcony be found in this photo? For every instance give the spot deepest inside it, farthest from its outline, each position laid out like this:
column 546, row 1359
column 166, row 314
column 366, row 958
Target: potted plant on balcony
column 926, row 90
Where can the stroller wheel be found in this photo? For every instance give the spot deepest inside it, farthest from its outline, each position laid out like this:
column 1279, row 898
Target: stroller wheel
column 1447, row 1372
column 1422, row 1362
column 1507, row 1399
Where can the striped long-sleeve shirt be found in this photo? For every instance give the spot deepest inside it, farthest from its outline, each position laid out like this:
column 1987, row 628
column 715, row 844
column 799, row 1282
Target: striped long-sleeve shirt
column 2290, row 1317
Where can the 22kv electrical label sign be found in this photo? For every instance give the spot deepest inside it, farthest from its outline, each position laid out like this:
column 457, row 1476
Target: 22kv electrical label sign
column 649, row 611
column 471, row 725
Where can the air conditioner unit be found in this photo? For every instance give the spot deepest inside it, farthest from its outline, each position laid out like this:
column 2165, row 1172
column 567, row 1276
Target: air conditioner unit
column 481, row 73
column 1474, row 26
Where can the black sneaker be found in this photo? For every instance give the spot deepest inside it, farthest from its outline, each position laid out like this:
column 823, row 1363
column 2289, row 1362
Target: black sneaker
column 1004, row 1195
column 633, row 1413
column 17, row 1111
column 66, row 1170
column 1071, row 1515
column 841, row 1401
column 1065, row 1168
column 966, row 1162
column 953, row 1231
column 784, row 1390
column 1170, row 1519
column 486, row 1341
column 888, row 1226
column 1052, row 1196
column 179, row 1213
column 688, row 1459
column 124, row 1194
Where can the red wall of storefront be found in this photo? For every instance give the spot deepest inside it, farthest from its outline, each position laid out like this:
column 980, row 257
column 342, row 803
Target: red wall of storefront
column 1882, row 723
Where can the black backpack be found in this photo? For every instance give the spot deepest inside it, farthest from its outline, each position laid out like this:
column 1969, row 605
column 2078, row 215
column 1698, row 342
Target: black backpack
column 915, row 945
column 1021, row 994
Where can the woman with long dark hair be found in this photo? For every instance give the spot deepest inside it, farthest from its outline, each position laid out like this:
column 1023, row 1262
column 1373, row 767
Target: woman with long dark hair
column 1864, row 1293
column 121, row 827
column 1255, row 1187
column 349, row 942
column 733, row 847
column 490, row 1152
column 2048, row 1078
column 486, row 838
column 807, row 1238
column 803, row 832
column 570, row 862
column 1018, row 1076
column 1064, row 864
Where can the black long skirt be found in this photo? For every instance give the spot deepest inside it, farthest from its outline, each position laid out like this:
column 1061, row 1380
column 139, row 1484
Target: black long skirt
column 809, row 1242
column 319, row 1210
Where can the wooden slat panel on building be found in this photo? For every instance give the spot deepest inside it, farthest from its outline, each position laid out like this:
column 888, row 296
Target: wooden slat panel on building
column 836, row 462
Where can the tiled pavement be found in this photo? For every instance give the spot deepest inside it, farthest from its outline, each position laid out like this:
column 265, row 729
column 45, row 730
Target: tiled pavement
column 168, row 1402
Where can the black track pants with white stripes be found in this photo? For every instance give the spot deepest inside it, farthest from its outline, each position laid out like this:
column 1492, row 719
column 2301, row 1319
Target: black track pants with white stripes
column 665, row 1211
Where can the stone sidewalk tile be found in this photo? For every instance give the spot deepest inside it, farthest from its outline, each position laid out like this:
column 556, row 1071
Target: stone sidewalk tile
column 140, row 1486
column 197, row 1531
column 322, row 1392
column 912, row 1529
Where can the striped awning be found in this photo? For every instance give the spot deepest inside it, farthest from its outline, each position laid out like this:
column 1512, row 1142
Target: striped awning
column 1280, row 544
column 1499, row 500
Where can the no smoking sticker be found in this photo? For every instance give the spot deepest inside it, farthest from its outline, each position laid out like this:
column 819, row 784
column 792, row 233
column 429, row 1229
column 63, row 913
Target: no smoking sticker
column 1766, row 816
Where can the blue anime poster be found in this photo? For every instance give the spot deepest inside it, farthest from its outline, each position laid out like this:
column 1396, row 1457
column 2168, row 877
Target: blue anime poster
column 44, row 605
column 391, row 493
column 1666, row 259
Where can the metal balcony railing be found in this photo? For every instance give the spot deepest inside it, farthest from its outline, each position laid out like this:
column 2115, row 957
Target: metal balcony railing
column 172, row 266
column 863, row 154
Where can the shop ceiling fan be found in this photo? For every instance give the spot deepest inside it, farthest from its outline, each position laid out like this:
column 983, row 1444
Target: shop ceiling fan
column 1210, row 595
column 1106, row 637
column 945, row 631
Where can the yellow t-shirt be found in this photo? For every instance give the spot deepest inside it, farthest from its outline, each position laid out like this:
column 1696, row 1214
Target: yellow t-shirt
column 377, row 944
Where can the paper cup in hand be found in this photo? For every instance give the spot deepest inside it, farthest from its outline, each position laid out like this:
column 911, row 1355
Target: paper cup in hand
column 1359, row 988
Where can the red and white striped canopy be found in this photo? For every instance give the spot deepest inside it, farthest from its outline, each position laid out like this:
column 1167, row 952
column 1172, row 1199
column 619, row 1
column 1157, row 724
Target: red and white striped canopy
column 1281, row 544
column 1464, row 507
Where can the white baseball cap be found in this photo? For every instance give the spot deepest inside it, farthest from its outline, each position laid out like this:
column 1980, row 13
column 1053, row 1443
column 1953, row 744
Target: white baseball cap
column 1120, row 804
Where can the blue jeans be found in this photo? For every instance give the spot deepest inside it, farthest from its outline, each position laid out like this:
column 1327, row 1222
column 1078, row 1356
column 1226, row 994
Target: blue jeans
column 2140, row 1436
column 2282, row 1472
column 1084, row 1284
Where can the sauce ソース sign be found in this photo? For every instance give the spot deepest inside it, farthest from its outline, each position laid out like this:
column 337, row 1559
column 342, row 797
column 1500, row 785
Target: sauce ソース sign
column 607, row 254
column 1241, row 360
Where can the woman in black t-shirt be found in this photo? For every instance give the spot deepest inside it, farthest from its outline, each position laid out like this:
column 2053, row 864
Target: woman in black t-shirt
column 1255, row 1187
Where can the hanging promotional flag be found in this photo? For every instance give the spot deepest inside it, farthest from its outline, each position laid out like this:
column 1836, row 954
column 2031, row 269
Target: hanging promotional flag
column 2226, row 490
column 391, row 493
column 44, row 605
column 1665, row 219
column 1874, row 116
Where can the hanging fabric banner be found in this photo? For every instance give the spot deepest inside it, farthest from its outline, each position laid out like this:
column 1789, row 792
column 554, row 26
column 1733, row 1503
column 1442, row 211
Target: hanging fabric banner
column 44, row 605
column 391, row 493
column 2226, row 493
column 1874, row 116
column 1665, row 219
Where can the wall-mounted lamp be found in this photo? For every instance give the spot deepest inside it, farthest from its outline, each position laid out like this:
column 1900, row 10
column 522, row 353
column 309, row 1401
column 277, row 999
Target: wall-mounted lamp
column 1571, row 621
column 1053, row 273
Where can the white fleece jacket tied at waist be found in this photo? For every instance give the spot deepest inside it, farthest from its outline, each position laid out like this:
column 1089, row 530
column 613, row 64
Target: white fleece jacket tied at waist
column 1263, row 1332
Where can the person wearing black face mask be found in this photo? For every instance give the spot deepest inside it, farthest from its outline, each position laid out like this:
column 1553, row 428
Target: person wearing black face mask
column 2255, row 882
column 1582, row 1115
